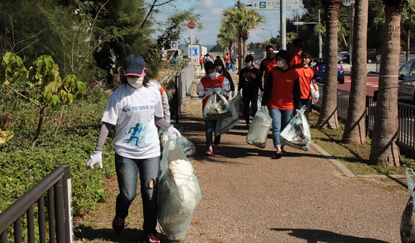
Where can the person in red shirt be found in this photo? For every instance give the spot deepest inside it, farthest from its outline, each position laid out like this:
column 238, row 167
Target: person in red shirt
column 268, row 63
column 281, row 96
column 212, row 80
column 298, row 45
column 227, row 61
column 201, row 61
column 306, row 78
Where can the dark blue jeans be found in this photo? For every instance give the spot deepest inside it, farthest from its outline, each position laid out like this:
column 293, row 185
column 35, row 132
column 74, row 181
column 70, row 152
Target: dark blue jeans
column 280, row 119
column 127, row 174
column 210, row 129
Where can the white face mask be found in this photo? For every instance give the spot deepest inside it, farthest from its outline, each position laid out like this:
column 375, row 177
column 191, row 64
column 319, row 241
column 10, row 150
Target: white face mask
column 280, row 63
column 218, row 68
column 135, row 81
column 212, row 75
column 248, row 64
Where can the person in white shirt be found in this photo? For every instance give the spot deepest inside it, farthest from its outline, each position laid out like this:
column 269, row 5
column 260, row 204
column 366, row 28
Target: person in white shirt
column 134, row 109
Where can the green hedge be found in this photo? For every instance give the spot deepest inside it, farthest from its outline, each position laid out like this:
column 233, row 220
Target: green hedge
column 21, row 167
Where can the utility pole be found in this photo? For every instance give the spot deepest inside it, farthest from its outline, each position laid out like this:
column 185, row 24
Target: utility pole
column 283, row 26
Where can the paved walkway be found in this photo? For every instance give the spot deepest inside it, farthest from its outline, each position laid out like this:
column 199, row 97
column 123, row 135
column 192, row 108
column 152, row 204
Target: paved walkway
column 302, row 197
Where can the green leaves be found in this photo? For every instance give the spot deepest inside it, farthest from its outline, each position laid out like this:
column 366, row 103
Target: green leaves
column 5, row 136
column 12, row 69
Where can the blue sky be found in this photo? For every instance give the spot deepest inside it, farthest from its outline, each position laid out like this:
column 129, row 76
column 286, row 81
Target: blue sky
column 211, row 11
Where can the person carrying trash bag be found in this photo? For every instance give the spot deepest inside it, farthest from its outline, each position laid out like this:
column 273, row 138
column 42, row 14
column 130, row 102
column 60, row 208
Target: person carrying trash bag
column 281, row 96
column 220, row 84
column 179, row 191
column 134, row 109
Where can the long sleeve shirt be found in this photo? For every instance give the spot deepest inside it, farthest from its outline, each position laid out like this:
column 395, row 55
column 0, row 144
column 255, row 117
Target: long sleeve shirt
column 250, row 81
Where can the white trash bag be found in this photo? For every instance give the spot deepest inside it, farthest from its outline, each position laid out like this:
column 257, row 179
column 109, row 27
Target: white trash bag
column 178, row 192
column 216, row 107
column 408, row 216
column 223, row 126
column 297, row 132
column 258, row 131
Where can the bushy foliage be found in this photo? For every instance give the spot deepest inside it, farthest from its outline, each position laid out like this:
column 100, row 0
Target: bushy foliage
column 21, row 167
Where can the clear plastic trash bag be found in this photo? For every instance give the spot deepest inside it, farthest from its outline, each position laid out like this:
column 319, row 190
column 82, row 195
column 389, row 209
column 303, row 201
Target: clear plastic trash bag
column 258, row 131
column 189, row 148
column 407, row 228
column 238, row 104
column 223, row 126
column 216, row 107
column 178, row 192
column 297, row 132
column 313, row 94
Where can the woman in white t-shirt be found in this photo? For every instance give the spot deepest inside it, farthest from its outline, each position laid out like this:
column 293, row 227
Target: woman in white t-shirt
column 134, row 109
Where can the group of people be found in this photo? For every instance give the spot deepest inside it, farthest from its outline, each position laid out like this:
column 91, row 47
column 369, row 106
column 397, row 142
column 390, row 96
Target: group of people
column 136, row 107
column 283, row 81
column 229, row 61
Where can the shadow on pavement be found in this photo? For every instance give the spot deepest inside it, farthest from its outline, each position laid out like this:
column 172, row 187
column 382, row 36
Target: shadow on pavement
column 314, row 236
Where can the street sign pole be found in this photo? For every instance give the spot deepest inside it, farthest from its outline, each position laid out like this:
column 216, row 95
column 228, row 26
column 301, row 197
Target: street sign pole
column 283, row 26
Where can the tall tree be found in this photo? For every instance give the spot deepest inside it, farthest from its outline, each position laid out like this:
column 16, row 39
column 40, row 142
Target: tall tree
column 408, row 23
column 355, row 129
column 328, row 112
column 243, row 19
column 384, row 150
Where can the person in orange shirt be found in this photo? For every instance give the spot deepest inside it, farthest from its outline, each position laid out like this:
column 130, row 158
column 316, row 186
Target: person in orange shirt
column 306, row 78
column 268, row 63
column 212, row 80
column 298, row 45
column 227, row 62
column 281, row 96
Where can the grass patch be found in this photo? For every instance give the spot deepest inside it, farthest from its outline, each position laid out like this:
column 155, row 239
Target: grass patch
column 354, row 157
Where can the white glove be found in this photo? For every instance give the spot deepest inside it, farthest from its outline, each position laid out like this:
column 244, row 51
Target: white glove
column 95, row 158
column 173, row 133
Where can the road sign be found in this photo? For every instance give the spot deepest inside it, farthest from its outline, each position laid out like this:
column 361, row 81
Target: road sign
column 273, row 5
column 191, row 25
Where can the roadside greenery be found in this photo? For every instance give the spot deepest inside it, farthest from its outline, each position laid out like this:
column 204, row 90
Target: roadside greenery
column 22, row 167
column 355, row 157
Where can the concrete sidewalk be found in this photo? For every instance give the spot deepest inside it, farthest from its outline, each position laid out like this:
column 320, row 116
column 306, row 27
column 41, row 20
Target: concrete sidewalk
column 302, row 197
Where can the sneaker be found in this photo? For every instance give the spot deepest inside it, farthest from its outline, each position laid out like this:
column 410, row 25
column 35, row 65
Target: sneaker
column 216, row 150
column 209, row 152
column 150, row 238
column 118, row 225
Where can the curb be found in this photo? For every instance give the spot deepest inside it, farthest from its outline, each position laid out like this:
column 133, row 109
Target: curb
column 337, row 163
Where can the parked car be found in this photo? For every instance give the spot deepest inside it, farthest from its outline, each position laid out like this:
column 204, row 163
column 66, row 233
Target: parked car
column 344, row 56
column 319, row 67
column 406, row 88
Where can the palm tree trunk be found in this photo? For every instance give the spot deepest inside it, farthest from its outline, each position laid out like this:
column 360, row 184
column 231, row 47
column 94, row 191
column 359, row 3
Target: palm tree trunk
column 328, row 112
column 240, row 53
column 384, row 150
column 355, row 129
column 408, row 43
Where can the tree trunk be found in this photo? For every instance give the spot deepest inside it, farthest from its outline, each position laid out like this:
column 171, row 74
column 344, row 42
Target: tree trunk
column 328, row 112
column 59, row 120
column 240, row 53
column 408, row 43
column 384, row 150
column 39, row 126
column 355, row 129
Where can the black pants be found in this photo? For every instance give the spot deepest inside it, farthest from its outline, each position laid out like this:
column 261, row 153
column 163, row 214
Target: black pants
column 250, row 99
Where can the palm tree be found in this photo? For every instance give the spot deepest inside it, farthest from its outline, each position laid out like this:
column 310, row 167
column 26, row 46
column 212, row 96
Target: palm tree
column 408, row 23
column 227, row 36
column 384, row 150
column 328, row 112
column 355, row 129
column 243, row 19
